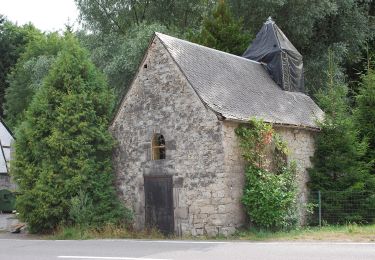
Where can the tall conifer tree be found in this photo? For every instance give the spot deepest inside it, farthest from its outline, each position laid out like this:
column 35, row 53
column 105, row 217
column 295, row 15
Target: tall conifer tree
column 339, row 171
column 365, row 115
column 222, row 31
column 63, row 148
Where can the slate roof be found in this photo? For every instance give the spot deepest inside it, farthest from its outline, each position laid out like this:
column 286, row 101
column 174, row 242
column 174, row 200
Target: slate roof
column 238, row 88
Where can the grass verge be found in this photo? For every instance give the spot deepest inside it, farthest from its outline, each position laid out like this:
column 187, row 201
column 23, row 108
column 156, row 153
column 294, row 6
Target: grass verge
column 350, row 232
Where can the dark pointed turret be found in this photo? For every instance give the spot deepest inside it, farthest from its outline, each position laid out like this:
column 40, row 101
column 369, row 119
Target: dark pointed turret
column 282, row 60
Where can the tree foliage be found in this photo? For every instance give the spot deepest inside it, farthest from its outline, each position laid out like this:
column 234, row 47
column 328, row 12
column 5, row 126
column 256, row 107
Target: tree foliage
column 338, row 164
column 222, row 31
column 118, row 56
column 365, row 115
column 13, row 40
column 119, row 16
column 27, row 75
column 314, row 27
column 63, row 148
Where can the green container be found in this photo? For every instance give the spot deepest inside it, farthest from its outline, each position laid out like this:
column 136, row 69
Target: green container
column 7, row 201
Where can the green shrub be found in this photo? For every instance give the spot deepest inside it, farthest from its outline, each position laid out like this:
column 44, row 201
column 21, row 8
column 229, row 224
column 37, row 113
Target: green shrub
column 270, row 186
column 270, row 199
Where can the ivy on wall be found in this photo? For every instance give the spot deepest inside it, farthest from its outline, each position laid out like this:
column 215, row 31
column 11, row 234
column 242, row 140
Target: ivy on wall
column 270, row 191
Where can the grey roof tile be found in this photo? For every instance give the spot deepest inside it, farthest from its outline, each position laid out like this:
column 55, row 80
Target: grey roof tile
column 238, row 88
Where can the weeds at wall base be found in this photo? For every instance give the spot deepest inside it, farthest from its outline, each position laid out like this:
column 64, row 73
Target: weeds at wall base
column 107, row 232
column 349, row 233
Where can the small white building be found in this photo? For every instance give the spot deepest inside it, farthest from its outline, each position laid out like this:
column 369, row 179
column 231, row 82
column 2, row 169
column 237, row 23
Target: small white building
column 6, row 139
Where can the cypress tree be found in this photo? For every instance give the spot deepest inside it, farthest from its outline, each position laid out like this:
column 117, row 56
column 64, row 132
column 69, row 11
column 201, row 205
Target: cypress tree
column 222, row 31
column 365, row 115
column 63, row 148
column 339, row 171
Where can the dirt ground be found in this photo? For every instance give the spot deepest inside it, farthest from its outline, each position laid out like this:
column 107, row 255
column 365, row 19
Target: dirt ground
column 7, row 219
column 4, row 220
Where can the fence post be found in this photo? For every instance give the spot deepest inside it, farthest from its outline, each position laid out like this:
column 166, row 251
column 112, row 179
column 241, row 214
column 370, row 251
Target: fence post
column 320, row 208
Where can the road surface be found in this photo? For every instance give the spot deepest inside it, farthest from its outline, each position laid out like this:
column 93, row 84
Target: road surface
column 21, row 249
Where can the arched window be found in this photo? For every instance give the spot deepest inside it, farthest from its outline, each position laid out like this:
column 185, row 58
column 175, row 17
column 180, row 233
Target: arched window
column 158, row 147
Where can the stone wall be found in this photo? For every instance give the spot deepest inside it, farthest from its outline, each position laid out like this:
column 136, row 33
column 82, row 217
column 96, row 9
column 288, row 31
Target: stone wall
column 162, row 101
column 301, row 146
column 235, row 167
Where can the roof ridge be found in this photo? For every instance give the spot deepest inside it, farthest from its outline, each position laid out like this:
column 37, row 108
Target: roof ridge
column 202, row 46
column 158, row 34
column 233, row 87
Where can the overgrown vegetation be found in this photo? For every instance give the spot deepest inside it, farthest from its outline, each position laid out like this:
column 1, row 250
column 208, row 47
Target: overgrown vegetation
column 26, row 77
column 117, row 55
column 270, row 182
column 63, row 150
column 103, row 232
column 13, row 40
column 339, row 159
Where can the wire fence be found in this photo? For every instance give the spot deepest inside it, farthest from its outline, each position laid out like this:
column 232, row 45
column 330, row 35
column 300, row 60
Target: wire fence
column 341, row 207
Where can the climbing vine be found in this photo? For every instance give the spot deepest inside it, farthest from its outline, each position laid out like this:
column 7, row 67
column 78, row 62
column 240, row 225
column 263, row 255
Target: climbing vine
column 270, row 188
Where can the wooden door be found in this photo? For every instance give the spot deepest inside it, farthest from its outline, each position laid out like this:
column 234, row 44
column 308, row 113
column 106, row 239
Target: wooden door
column 159, row 203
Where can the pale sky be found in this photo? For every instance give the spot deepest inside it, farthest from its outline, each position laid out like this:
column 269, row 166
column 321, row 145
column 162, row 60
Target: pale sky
column 46, row 15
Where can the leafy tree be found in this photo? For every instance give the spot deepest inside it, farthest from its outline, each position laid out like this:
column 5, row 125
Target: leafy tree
column 119, row 16
column 221, row 31
column 118, row 56
column 63, row 148
column 338, row 165
column 314, row 27
column 365, row 115
column 27, row 75
column 13, row 40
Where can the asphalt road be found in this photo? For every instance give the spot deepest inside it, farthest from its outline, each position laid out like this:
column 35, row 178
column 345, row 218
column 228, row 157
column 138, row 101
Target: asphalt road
column 13, row 249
